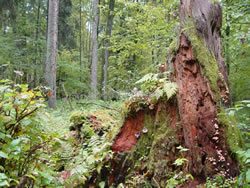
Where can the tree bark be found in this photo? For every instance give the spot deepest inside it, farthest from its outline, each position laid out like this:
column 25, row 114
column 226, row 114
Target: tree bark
column 80, row 35
column 38, row 25
column 106, row 45
column 94, row 64
column 200, row 92
column 50, row 65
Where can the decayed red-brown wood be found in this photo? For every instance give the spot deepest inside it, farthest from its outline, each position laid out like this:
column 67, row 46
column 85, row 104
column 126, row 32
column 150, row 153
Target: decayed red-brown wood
column 207, row 18
column 129, row 134
column 203, row 136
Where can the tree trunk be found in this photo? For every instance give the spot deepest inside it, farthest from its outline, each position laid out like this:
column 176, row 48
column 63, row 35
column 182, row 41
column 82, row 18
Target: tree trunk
column 50, row 65
column 146, row 146
column 94, row 64
column 201, row 76
column 80, row 35
column 106, row 45
column 35, row 62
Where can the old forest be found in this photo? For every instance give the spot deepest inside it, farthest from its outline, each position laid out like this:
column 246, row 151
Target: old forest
column 122, row 93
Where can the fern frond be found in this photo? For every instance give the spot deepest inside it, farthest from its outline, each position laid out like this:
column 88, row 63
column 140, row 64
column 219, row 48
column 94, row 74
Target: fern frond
column 170, row 88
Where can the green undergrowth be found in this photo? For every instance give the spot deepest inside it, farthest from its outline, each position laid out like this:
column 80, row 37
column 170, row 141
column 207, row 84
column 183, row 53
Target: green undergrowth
column 70, row 146
column 237, row 121
column 153, row 88
column 26, row 147
column 233, row 135
column 94, row 124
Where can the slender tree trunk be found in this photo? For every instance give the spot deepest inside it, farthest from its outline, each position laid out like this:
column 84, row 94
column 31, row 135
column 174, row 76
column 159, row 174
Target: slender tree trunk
column 35, row 79
column 94, row 64
column 80, row 50
column 106, row 46
column 50, row 65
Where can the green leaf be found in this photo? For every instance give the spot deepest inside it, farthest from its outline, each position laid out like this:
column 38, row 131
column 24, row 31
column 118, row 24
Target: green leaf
column 31, row 176
column 3, row 176
column 3, row 155
column 26, row 122
column 102, row 184
column 180, row 161
column 248, row 176
column 4, row 183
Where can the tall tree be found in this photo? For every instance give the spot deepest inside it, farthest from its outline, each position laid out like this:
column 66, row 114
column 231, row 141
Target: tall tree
column 66, row 35
column 106, row 46
column 94, row 64
column 80, row 36
column 50, row 65
column 37, row 53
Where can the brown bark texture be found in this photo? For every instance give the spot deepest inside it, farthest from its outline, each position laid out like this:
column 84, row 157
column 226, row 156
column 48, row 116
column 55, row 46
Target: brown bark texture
column 206, row 15
column 94, row 53
column 50, row 64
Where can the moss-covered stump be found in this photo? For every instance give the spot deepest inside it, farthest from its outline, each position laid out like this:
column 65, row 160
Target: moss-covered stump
column 204, row 134
column 195, row 121
column 146, row 148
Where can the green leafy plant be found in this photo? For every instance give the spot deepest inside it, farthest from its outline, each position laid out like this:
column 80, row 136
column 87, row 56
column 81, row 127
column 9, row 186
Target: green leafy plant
column 23, row 142
column 240, row 114
column 180, row 161
column 178, row 179
column 154, row 87
column 244, row 178
column 157, row 85
column 220, row 182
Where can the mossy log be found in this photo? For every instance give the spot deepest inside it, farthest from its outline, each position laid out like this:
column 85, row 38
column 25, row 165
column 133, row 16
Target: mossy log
column 146, row 146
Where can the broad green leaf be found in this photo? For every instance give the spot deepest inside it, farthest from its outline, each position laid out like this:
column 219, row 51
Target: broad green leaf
column 180, row 161
column 3, row 155
column 3, row 176
column 102, row 184
column 248, row 176
column 4, row 183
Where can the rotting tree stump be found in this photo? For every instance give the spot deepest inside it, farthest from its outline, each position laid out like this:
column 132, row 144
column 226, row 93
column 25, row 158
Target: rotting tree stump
column 146, row 144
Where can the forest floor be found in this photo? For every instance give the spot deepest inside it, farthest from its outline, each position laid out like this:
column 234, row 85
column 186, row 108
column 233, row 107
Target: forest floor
column 83, row 150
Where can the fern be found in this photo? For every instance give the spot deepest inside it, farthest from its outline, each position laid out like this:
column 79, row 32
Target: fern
column 151, row 82
column 170, row 88
column 146, row 78
column 157, row 85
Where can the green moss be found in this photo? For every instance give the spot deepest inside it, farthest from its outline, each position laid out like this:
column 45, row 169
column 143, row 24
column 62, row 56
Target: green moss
column 233, row 135
column 78, row 118
column 147, row 135
column 134, row 105
column 156, row 150
column 204, row 56
column 163, row 150
column 173, row 47
column 215, row 1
